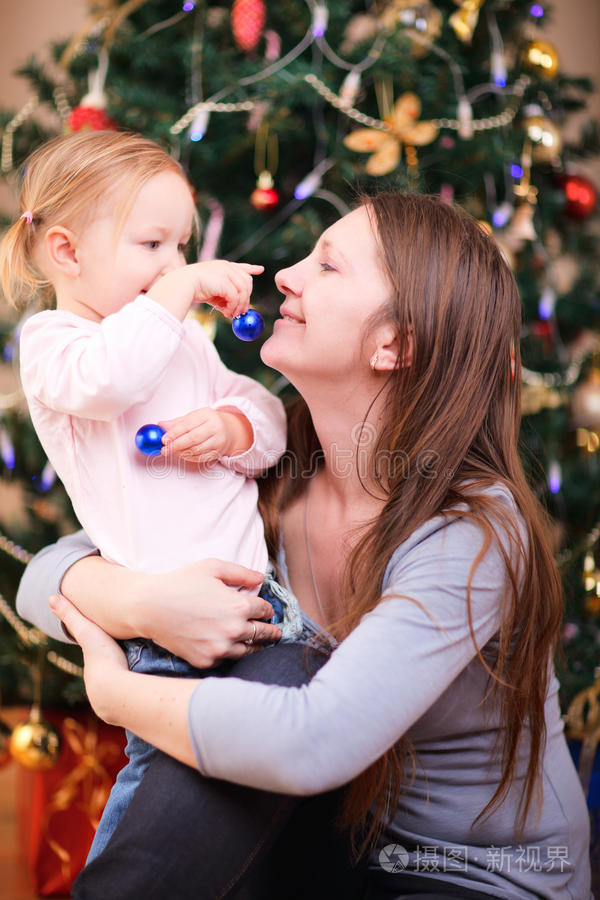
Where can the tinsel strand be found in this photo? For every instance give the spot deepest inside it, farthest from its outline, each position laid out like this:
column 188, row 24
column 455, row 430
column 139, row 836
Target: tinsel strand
column 14, row 550
column 31, row 637
column 486, row 124
column 63, row 107
column 7, row 138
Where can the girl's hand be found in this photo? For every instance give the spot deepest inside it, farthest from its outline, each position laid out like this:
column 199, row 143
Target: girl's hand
column 196, row 613
column 205, row 435
column 225, row 285
column 105, row 665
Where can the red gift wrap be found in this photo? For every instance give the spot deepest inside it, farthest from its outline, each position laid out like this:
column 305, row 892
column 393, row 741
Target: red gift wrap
column 59, row 809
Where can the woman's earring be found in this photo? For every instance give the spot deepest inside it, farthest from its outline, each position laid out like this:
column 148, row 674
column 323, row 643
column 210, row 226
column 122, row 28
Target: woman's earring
column 374, row 361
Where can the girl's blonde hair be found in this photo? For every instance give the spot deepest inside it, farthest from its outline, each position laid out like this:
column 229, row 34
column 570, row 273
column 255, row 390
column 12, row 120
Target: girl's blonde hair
column 64, row 182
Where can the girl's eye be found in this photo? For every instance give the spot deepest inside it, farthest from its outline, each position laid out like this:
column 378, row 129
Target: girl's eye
column 152, row 245
column 325, row 267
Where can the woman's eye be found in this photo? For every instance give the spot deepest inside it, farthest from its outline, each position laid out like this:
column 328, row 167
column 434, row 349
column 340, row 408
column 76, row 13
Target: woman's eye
column 152, row 245
column 325, row 267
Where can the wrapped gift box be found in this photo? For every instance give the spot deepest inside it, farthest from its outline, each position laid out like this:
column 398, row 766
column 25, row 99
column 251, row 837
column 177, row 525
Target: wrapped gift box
column 59, row 809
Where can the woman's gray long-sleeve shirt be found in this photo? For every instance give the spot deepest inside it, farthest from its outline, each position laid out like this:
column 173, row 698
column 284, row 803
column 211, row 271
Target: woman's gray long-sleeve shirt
column 409, row 668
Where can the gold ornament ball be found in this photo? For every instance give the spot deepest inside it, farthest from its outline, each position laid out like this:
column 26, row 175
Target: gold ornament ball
column 545, row 137
column 35, row 745
column 541, row 57
column 585, row 403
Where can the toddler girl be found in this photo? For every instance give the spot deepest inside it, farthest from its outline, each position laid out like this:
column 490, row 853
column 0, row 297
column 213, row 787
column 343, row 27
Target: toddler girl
column 106, row 217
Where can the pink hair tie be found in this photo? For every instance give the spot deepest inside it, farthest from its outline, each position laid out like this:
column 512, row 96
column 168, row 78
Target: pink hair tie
column 28, row 216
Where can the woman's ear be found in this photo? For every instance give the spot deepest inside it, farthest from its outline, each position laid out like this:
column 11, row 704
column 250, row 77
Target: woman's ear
column 386, row 357
column 60, row 245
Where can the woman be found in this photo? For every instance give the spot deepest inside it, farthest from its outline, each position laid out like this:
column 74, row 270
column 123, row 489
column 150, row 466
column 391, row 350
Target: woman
column 418, row 545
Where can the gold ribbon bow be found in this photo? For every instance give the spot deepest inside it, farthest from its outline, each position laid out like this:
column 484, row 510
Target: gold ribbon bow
column 89, row 778
column 385, row 146
column 583, row 724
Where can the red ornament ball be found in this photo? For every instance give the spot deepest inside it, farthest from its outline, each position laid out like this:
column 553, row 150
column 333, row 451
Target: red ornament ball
column 264, row 196
column 90, row 118
column 581, row 196
column 248, row 19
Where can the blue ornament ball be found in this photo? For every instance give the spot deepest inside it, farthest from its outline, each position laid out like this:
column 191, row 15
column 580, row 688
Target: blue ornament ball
column 249, row 326
column 148, row 440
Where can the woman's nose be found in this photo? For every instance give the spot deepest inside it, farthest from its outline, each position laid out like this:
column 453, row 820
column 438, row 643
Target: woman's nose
column 287, row 281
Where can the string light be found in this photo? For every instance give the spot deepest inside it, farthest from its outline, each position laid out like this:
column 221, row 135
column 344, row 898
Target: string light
column 47, row 478
column 335, row 201
column 350, row 87
column 320, row 20
column 7, row 450
column 554, row 477
column 465, row 119
column 312, row 181
column 497, row 61
column 547, row 303
column 498, row 68
column 199, row 125
column 502, row 214
column 536, row 11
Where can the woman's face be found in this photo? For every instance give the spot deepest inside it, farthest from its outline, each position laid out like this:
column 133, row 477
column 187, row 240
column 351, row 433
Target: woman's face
column 329, row 296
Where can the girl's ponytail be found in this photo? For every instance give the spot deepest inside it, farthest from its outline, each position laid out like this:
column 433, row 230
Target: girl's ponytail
column 19, row 277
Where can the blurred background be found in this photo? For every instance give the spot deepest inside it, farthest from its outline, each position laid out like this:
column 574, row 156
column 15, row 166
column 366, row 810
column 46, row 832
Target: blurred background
column 319, row 100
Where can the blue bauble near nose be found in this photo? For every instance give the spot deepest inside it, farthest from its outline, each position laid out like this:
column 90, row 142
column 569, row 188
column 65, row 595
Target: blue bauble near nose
column 249, row 326
column 148, row 439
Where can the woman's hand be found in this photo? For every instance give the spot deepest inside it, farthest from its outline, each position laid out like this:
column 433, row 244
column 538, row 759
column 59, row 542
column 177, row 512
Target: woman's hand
column 105, row 665
column 153, row 707
column 196, row 613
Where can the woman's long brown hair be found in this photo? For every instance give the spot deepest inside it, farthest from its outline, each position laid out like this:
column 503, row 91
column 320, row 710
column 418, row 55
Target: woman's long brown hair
column 458, row 406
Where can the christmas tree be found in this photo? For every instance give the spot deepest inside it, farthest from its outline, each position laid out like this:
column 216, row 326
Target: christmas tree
column 282, row 112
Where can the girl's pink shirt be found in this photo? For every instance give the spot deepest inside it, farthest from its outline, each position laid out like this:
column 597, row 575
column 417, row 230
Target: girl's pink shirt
column 90, row 386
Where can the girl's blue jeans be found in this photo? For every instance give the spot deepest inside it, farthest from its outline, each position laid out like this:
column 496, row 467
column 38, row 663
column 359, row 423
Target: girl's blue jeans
column 149, row 658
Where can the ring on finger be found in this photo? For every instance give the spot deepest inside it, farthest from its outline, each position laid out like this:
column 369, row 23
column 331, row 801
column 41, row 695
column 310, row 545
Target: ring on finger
column 250, row 640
